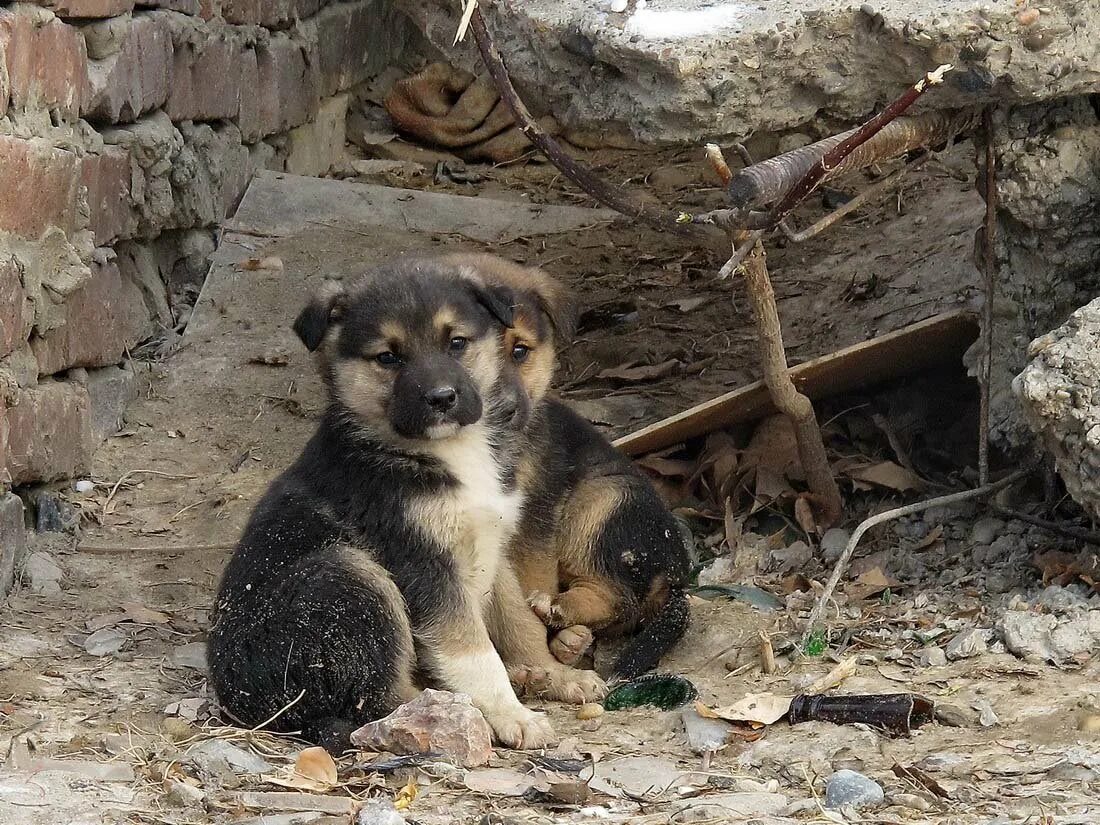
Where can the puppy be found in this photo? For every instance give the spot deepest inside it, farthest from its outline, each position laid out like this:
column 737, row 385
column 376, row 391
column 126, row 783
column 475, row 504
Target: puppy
column 379, row 556
column 596, row 549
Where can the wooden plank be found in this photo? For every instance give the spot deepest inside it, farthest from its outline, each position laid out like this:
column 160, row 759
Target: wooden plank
column 934, row 342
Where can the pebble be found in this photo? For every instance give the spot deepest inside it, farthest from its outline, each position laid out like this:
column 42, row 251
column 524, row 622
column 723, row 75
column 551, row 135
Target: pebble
column 705, row 735
column 987, row 717
column 84, row 486
column 379, row 811
column 53, row 514
column 911, row 801
column 986, row 530
column 435, row 721
column 1028, row 17
column 966, row 645
column 183, row 795
column 42, row 574
column 589, row 710
column 931, row 657
column 618, row 6
column 846, row 788
column 833, row 543
column 954, row 716
column 215, row 756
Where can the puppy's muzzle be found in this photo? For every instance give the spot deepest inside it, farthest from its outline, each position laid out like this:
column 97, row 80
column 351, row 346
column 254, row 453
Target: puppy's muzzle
column 433, row 399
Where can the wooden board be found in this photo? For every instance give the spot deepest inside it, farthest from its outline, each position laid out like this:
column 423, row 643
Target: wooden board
column 934, row 342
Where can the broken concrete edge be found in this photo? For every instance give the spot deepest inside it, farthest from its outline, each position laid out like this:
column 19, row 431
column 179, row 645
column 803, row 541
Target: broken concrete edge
column 933, row 342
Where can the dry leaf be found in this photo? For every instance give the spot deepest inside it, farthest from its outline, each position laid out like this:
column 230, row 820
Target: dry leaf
column 804, row 515
column 870, row 583
column 668, row 467
column 770, row 486
column 314, row 770
column 886, row 474
column 774, row 445
column 734, row 527
column 645, row 372
column 406, row 796
column 498, row 782
column 719, row 460
column 931, row 539
column 140, row 614
column 1061, row 568
column 754, row 708
column 794, row 583
column 253, row 264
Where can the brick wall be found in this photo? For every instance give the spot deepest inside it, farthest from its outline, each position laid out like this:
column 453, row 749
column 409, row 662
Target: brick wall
column 127, row 132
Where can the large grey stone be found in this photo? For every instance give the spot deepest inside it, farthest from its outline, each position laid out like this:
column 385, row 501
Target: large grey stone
column 13, row 540
column 694, row 70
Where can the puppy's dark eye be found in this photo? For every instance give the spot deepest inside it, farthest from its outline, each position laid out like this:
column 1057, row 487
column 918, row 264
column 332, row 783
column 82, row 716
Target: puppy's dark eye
column 387, row 359
column 520, row 353
column 458, row 344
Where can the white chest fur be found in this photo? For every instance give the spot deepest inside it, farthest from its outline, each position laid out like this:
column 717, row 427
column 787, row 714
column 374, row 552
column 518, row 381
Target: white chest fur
column 477, row 518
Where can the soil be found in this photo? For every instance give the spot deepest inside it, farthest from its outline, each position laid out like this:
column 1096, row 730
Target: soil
column 213, row 426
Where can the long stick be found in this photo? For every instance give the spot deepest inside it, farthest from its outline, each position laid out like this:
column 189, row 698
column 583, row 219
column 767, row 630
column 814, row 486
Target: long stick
column 842, row 563
column 583, row 177
column 989, row 284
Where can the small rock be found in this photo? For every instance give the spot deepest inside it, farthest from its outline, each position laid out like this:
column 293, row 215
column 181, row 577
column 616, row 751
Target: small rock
column 379, row 811
column 1028, row 634
column 846, row 788
column 967, row 645
column 793, row 557
column 705, row 735
column 83, row 486
column 53, row 514
column 216, row 757
column 931, row 657
column 105, row 641
column 589, row 710
column 42, row 574
column 954, row 716
column 719, row 571
column 617, row 6
column 987, row 717
column 435, row 721
column 183, row 795
column 911, row 801
column 591, row 725
column 986, row 530
column 1028, row 17
column 833, row 543
column 727, row 807
column 191, row 655
column 649, row 776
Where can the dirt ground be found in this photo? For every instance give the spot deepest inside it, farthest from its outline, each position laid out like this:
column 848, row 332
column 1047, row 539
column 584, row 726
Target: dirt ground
column 104, row 710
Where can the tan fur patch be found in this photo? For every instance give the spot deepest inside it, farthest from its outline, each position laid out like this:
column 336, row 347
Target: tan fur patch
column 593, row 603
column 393, row 332
column 444, row 320
column 364, row 388
column 582, row 519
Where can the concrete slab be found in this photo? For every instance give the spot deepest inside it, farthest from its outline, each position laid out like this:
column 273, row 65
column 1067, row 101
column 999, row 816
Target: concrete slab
column 698, row 70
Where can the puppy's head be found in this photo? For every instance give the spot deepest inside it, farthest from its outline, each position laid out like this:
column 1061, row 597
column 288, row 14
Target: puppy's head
column 411, row 350
column 543, row 318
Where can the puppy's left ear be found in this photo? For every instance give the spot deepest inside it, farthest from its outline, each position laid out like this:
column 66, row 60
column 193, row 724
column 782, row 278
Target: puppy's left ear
column 500, row 301
column 324, row 308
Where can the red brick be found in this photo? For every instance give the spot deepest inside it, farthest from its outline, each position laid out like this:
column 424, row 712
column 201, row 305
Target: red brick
column 134, row 80
column 289, row 87
column 206, row 79
column 40, row 187
column 87, row 8
column 16, row 313
column 49, row 432
column 107, row 177
column 273, row 14
column 45, row 60
column 102, row 320
column 352, row 43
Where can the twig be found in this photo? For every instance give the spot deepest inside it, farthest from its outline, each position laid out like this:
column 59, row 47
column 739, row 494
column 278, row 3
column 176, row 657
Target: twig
column 279, row 712
column 107, row 549
column 1087, row 536
column 740, row 253
column 908, row 510
column 786, row 397
column 869, row 194
column 128, row 473
column 833, row 678
column 767, row 654
column 583, row 177
column 832, row 158
column 988, row 285
column 721, row 168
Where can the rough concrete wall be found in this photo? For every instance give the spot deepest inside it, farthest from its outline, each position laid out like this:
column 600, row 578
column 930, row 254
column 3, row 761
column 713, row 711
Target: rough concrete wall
column 126, row 134
column 1048, row 245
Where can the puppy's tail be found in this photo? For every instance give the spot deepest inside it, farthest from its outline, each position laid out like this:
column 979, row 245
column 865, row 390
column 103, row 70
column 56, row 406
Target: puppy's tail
column 645, row 649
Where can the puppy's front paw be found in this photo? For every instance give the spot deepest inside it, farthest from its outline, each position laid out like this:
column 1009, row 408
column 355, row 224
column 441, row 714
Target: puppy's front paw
column 542, row 604
column 571, row 643
column 526, row 679
column 575, row 687
column 521, row 728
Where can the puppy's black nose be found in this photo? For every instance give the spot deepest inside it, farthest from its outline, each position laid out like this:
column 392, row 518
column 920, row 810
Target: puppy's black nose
column 441, row 399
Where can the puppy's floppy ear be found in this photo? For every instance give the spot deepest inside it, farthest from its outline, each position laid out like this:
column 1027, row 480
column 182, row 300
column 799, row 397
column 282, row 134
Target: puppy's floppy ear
column 325, row 307
column 557, row 306
column 500, row 301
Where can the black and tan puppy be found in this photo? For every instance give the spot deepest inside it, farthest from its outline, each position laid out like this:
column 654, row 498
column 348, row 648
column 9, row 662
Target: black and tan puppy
column 596, row 548
column 380, row 555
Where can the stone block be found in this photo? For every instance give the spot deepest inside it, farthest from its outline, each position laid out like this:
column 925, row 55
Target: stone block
column 16, row 312
column 45, row 60
column 110, row 391
column 40, row 186
column 103, row 319
column 272, row 14
column 208, row 69
column 355, row 41
column 140, row 265
column 317, row 147
column 192, row 7
column 288, row 89
column 87, row 8
column 49, row 432
column 107, row 179
column 135, row 79
column 13, row 540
